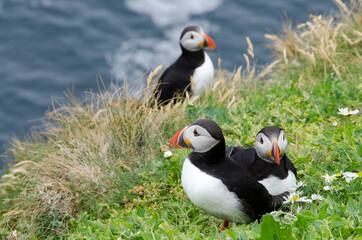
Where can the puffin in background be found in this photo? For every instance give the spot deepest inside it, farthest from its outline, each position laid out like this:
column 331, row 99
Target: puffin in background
column 193, row 62
column 268, row 162
column 214, row 182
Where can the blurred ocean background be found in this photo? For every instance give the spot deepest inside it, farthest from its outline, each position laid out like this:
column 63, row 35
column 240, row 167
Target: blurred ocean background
column 50, row 47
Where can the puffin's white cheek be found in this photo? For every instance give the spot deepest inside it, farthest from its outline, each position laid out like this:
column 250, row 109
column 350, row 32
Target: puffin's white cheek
column 192, row 44
column 204, row 144
column 284, row 145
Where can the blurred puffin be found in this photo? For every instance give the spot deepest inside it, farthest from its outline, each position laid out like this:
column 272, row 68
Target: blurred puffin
column 214, row 183
column 268, row 162
column 193, row 62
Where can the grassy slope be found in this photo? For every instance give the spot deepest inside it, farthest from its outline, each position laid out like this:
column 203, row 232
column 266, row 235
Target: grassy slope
column 78, row 181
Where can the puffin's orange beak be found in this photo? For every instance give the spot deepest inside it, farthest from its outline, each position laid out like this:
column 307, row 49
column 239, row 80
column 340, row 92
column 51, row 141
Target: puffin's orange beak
column 178, row 141
column 209, row 43
column 275, row 152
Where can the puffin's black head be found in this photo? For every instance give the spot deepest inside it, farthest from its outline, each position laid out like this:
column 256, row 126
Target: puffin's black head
column 271, row 144
column 194, row 39
column 201, row 136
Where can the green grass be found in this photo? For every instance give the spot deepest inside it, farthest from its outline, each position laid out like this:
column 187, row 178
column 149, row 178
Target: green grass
column 99, row 171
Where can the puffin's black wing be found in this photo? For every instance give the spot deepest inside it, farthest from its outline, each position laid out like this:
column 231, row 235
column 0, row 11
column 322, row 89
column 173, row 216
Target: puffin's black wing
column 241, row 156
column 290, row 166
column 255, row 198
column 176, row 78
column 249, row 190
column 174, row 81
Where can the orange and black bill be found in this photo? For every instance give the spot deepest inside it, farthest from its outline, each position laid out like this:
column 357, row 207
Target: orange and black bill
column 209, row 43
column 178, row 140
column 276, row 152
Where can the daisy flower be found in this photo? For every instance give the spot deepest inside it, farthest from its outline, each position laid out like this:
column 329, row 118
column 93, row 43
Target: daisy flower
column 304, row 199
column 301, row 184
column 298, row 185
column 346, row 112
column 317, row 197
column 327, row 188
column 329, row 179
column 167, row 154
column 349, row 176
column 354, row 112
column 296, row 197
column 331, row 188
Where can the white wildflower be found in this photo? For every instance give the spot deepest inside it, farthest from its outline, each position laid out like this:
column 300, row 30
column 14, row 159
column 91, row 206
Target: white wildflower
column 296, row 197
column 328, row 178
column 354, row 112
column 293, row 196
column 167, row 154
column 343, row 111
column 301, row 184
column 304, row 199
column 298, row 185
column 317, row 197
column 346, row 112
column 349, row 176
column 331, row 188
column 335, row 123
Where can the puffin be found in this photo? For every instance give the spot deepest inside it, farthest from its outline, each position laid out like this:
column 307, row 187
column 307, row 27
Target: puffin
column 267, row 161
column 214, row 182
column 194, row 62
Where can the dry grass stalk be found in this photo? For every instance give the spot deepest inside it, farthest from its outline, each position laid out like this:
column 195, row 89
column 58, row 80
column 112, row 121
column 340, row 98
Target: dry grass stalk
column 250, row 47
column 152, row 75
column 87, row 156
column 237, row 75
column 319, row 40
column 247, row 62
column 193, row 84
column 268, row 69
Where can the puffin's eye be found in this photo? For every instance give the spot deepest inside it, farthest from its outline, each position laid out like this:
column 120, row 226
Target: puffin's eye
column 196, row 133
column 192, row 36
column 261, row 141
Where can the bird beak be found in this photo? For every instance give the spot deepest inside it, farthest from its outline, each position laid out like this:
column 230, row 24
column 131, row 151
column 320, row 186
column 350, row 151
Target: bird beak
column 179, row 141
column 208, row 42
column 275, row 152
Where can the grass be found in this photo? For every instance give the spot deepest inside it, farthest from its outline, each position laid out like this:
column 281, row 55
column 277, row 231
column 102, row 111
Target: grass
column 98, row 171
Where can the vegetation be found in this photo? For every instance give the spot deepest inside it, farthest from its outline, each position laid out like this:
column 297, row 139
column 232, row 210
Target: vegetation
column 99, row 171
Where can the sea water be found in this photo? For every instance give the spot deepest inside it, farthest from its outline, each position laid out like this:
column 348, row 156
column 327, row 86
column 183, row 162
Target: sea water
column 49, row 48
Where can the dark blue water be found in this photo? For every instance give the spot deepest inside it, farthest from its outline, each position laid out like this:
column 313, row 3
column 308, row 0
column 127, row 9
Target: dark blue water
column 48, row 47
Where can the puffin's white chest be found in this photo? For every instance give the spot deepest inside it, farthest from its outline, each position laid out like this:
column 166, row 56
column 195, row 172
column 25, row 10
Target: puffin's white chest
column 276, row 186
column 203, row 75
column 211, row 195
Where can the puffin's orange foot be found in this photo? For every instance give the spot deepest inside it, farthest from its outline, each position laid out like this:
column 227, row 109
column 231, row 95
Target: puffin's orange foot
column 225, row 225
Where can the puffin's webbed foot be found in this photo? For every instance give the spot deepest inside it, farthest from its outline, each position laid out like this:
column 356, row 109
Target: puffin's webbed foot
column 225, row 225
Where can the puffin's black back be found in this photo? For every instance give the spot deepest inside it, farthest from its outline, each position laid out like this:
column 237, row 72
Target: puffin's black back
column 262, row 169
column 175, row 80
column 259, row 168
column 242, row 156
